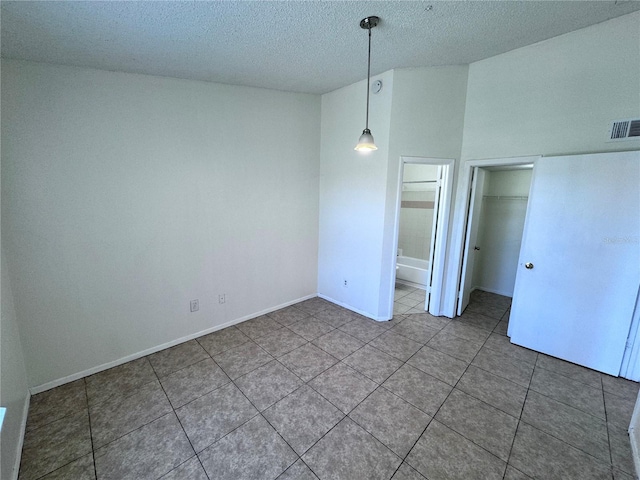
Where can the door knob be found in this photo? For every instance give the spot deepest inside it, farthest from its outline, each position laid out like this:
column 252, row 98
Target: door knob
column 528, row 265
column 476, row 248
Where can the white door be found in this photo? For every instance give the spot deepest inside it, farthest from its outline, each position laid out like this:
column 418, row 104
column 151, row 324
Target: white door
column 434, row 232
column 470, row 247
column 579, row 265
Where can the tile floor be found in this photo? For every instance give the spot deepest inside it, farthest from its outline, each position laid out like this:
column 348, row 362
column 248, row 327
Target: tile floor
column 314, row 391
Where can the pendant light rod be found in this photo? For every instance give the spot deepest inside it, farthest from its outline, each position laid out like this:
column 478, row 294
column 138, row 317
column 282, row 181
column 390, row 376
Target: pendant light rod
column 368, row 78
column 366, row 142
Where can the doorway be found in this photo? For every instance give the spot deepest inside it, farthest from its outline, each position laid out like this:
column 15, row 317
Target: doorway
column 423, row 206
column 497, row 212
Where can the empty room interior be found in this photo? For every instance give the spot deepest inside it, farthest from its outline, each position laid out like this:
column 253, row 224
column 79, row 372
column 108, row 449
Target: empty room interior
column 202, row 278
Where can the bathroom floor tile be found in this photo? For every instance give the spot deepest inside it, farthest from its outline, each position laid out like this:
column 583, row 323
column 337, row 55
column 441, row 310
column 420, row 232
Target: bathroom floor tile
column 253, row 452
column 443, row 454
column 364, row 330
column 479, row 422
column 307, row 361
column 258, row 327
column 265, row 385
column 414, row 398
column 620, row 386
column 417, row 331
column 439, row 365
column 118, row 416
column 621, row 454
column 619, row 409
column 189, row 470
column 395, row 345
column 571, row 370
column 343, row 386
column 494, row 390
column 288, row 315
column 348, row 451
column 281, row 342
column 478, row 320
column 54, row 404
column 175, row 358
column 297, row 471
column 437, row 323
column 310, row 328
column 466, row 331
column 396, row 423
column 504, row 366
column 419, row 389
column 52, row 446
column 313, row 305
column 222, row 340
column 457, row 347
column 149, row 452
column 406, row 472
column 303, row 417
column 502, row 344
column 80, row 469
column 119, row 381
column 194, row 381
column 563, row 389
column 336, row 317
column 573, row 426
column 209, row 418
column 540, row 455
column 373, row 363
column 241, row 360
column 338, row 344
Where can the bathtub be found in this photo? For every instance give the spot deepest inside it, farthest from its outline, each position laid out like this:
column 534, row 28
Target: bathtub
column 413, row 271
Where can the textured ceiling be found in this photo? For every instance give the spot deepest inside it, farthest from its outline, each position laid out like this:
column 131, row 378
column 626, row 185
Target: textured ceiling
column 302, row 46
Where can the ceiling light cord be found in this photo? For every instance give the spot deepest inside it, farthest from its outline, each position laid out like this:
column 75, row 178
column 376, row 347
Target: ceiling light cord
column 368, row 77
column 366, row 142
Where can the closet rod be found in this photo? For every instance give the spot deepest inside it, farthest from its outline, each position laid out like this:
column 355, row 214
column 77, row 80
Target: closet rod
column 422, row 181
column 506, row 197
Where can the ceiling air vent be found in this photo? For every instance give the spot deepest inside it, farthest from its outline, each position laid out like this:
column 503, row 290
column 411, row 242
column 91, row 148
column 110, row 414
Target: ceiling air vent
column 628, row 129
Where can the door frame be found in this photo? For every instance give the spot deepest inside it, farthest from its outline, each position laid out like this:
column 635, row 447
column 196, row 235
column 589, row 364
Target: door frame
column 460, row 223
column 442, row 225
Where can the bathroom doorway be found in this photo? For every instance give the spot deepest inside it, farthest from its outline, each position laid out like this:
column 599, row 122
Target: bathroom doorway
column 423, row 207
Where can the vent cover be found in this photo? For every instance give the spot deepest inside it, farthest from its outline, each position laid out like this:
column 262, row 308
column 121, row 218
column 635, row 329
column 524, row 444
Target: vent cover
column 628, row 129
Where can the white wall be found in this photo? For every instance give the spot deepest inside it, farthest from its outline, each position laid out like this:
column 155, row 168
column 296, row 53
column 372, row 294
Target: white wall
column 14, row 392
column 427, row 121
column 414, row 233
column 556, row 97
column 553, row 98
column 125, row 196
column 352, row 202
column 500, row 230
column 418, row 113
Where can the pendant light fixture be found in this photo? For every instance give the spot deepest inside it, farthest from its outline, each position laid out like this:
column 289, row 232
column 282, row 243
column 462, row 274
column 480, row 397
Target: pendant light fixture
column 366, row 143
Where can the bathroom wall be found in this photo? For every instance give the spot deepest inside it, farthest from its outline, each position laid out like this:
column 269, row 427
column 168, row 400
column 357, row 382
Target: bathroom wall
column 417, row 210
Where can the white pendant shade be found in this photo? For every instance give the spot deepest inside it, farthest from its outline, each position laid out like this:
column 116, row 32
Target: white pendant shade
column 366, row 143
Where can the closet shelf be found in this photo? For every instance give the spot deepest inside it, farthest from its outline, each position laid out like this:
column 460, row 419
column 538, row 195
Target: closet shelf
column 505, row 197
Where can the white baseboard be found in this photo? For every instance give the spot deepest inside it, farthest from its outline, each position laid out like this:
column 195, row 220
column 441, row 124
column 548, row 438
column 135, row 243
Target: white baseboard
column 23, row 429
column 349, row 307
column 497, row 292
column 411, row 284
column 634, row 436
column 105, row 366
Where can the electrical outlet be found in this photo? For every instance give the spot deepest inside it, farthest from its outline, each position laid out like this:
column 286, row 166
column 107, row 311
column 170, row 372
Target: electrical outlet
column 222, row 298
column 345, row 284
column 194, row 305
